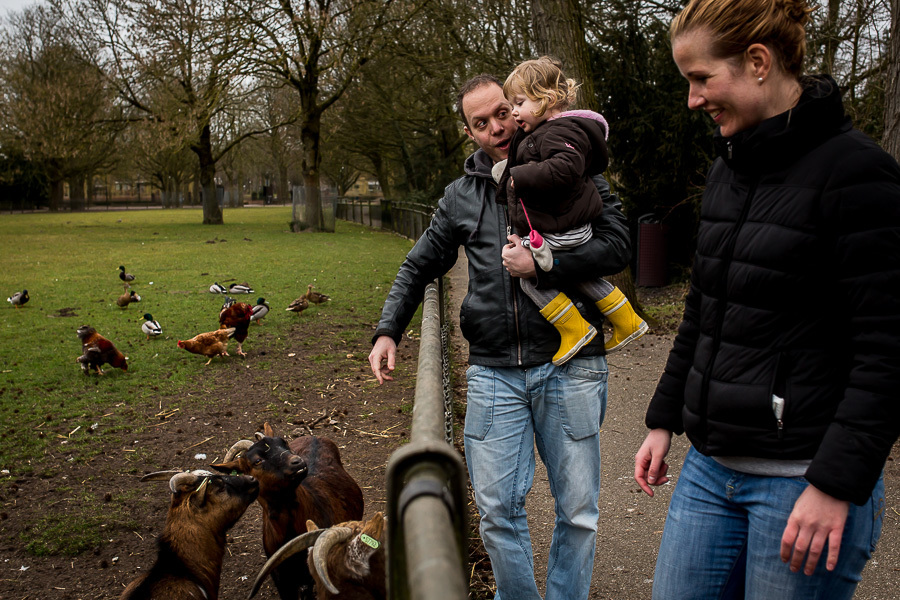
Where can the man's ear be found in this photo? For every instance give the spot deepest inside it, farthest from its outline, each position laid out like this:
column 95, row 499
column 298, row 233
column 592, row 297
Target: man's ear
column 468, row 133
column 760, row 60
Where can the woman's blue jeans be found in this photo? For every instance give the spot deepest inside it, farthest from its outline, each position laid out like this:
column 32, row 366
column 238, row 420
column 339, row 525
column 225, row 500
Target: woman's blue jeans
column 559, row 409
column 722, row 539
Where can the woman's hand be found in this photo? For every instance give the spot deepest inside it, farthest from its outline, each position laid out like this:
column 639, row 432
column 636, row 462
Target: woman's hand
column 650, row 466
column 816, row 518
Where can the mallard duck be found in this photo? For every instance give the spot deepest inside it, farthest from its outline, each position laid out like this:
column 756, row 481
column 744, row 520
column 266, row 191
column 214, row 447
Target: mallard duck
column 260, row 310
column 19, row 298
column 240, row 288
column 127, row 298
column 315, row 297
column 150, row 326
column 126, row 277
column 298, row 305
column 229, row 301
column 217, row 288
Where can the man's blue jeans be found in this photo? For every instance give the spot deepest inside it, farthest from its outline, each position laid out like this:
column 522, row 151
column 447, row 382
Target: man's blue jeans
column 559, row 409
column 722, row 539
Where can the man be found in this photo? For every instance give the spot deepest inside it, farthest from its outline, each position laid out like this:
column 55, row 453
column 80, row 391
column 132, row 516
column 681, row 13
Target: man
column 516, row 397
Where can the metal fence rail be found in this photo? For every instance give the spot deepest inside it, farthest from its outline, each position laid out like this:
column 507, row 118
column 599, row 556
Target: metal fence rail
column 426, row 484
column 409, row 219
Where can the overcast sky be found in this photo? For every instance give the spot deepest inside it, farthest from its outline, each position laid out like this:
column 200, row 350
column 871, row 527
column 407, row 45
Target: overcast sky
column 15, row 5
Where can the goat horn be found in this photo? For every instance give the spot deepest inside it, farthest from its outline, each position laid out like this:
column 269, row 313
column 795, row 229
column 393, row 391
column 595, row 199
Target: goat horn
column 332, row 536
column 159, row 476
column 185, row 478
column 239, row 448
column 297, row 544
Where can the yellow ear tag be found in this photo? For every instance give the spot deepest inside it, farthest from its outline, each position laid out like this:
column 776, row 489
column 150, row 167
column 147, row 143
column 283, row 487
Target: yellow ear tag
column 369, row 541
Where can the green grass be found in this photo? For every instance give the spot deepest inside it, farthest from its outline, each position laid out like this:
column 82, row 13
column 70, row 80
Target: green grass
column 69, row 263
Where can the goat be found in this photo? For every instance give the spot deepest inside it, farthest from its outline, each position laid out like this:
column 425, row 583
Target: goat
column 353, row 552
column 298, row 482
column 191, row 547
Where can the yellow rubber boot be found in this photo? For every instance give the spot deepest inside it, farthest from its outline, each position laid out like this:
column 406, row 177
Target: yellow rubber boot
column 574, row 331
column 627, row 325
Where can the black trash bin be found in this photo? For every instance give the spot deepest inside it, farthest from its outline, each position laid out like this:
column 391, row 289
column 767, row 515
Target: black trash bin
column 651, row 256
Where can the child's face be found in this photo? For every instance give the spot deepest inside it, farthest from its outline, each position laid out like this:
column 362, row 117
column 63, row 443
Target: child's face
column 523, row 112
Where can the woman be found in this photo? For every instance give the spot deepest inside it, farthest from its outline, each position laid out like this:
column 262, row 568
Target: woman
column 785, row 368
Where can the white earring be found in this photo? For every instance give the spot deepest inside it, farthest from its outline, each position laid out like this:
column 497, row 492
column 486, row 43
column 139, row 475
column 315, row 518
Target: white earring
column 760, row 80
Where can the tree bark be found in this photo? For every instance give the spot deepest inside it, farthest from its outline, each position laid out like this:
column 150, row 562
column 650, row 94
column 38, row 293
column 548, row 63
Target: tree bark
column 558, row 27
column 212, row 212
column 76, row 192
column 891, row 137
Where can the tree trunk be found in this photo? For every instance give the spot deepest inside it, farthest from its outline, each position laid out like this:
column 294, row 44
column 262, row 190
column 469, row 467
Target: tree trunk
column 558, row 27
column 312, row 217
column 283, row 184
column 56, row 194
column 76, row 192
column 891, row 137
column 212, row 212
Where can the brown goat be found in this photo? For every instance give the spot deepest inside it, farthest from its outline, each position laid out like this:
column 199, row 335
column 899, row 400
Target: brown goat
column 298, row 482
column 347, row 561
column 191, row 547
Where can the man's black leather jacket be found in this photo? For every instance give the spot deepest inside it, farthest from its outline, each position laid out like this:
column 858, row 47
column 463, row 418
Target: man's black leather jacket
column 501, row 324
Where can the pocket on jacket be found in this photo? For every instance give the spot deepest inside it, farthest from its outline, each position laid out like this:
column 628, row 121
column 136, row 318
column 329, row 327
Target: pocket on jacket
column 479, row 402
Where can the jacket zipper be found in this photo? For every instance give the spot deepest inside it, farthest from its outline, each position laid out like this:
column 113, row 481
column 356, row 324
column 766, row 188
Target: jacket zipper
column 727, row 256
column 513, row 287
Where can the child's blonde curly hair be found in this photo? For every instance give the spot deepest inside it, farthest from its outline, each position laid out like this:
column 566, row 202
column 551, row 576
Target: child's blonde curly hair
column 542, row 80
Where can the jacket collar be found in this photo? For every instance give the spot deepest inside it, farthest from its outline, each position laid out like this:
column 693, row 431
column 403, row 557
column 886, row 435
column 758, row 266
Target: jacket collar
column 479, row 164
column 779, row 141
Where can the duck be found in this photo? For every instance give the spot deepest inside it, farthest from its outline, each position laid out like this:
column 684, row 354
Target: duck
column 126, row 277
column 151, row 327
column 127, row 298
column 240, row 288
column 217, row 288
column 19, row 298
column 260, row 310
column 315, row 297
column 298, row 305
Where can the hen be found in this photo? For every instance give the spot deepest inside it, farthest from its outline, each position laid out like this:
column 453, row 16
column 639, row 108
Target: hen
column 96, row 351
column 211, row 344
column 238, row 316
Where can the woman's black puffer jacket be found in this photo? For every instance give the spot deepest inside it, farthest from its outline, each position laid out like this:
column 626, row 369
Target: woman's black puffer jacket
column 795, row 292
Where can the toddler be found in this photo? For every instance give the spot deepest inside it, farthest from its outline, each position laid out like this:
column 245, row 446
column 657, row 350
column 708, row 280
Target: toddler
column 547, row 185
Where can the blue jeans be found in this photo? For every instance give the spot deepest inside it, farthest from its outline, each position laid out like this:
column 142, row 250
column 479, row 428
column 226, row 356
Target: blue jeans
column 560, row 410
column 722, row 538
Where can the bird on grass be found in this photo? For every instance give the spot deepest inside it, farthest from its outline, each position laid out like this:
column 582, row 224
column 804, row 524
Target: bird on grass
column 298, row 305
column 217, row 288
column 150, row 326
column 237, row 316
column 127, row 298
column 126, row 277
column 315, row 297
column 211, row 344
column 240, row 288
column 19, row 298
column 260, row 310
column 229, row 301
column 96, row 351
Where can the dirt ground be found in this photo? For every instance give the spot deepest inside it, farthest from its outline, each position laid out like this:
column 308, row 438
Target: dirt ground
column 368, row 422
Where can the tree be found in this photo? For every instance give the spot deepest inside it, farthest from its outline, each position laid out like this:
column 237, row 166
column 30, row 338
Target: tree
column 559, row 32
column 318, row 47
column 178, row 63
column 891, row 139
column 56, row 107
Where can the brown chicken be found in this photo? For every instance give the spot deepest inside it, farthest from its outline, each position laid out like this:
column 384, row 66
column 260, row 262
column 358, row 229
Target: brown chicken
column 96, row 351
column 211, row 344
column 238, row 316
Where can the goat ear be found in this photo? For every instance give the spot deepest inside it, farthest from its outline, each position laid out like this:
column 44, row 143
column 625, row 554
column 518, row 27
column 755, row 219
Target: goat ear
column 267, row 429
